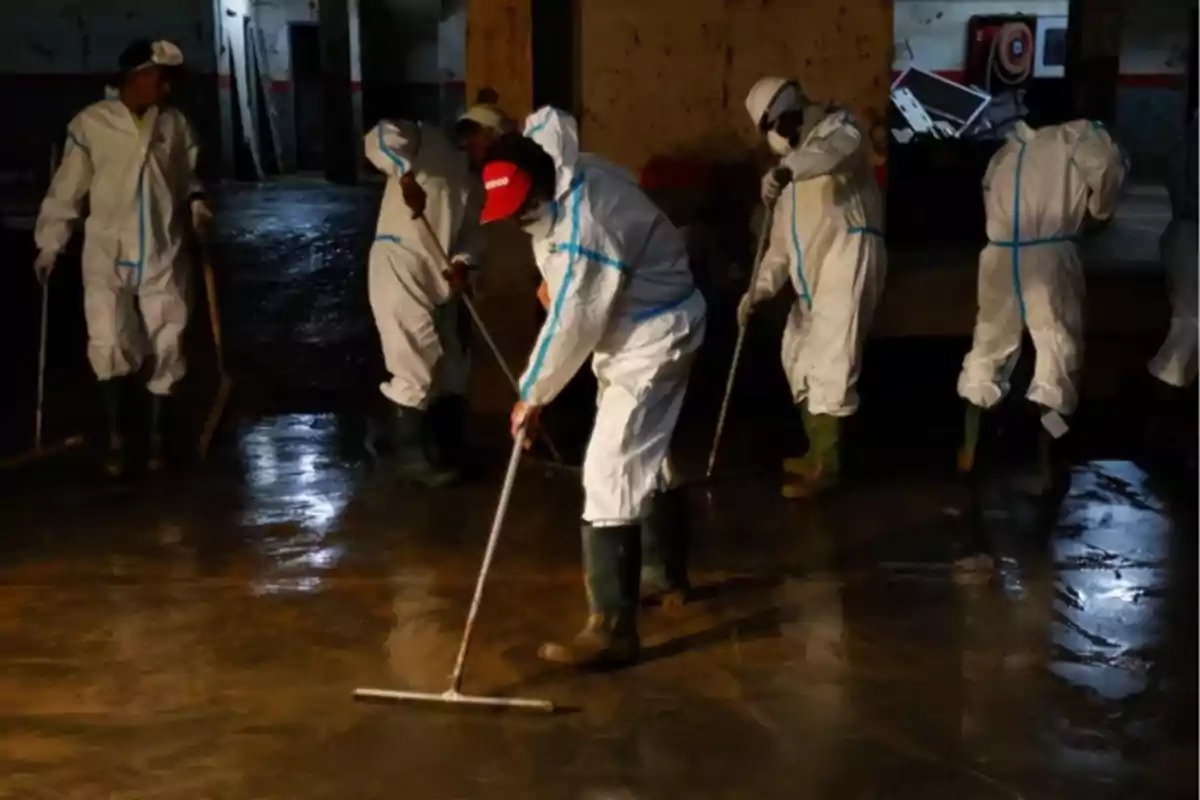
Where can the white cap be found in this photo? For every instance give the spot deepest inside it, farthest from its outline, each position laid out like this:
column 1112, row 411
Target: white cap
column 487, row 115
column 769, row 97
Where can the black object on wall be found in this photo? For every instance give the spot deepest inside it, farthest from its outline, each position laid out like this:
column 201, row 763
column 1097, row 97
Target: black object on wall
column 341, row 145
column 1193, row 22
column 555, row 67
column 1092, row 80
column 308, row 95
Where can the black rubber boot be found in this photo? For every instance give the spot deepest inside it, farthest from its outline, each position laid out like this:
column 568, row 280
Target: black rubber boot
column 666, row 536
column 448, row 421
column 1054, row 463
column 612, row 565
column 412, row 438
column 154, row 440
column 114, row 391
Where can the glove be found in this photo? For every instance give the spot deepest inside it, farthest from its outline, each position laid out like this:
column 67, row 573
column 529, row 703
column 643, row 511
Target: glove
column 461, row 275
column 773, row 183
column 744, row 309
column 413, row 194
column 771, row 187
column 44, row 265
column 202, row 216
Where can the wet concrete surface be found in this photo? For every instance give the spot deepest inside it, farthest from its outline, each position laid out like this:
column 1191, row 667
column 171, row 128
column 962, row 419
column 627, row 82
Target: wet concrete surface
column 199, row 635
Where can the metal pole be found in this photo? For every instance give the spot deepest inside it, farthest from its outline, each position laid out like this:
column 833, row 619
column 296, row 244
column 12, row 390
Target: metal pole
column 487, row 338
column 510, row 478
column 741, row 338
column 41, row 380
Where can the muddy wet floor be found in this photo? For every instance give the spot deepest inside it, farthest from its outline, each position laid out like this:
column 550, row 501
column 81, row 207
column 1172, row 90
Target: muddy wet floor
column 199, row 635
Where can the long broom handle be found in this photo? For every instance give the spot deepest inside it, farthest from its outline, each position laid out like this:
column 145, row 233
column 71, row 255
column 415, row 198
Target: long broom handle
column 510, row 478
column 214, row 314
column 741, row 338
column 487, row 337
column 41, row 379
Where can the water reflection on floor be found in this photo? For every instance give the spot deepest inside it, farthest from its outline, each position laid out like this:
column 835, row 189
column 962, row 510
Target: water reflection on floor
column 202, row 638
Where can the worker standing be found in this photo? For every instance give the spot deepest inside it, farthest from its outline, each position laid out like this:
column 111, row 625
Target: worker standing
column 620, row 291
column 417, row 308
column 1042, row 190
column 1175, row 362
column 827, row 239
column 134, row 159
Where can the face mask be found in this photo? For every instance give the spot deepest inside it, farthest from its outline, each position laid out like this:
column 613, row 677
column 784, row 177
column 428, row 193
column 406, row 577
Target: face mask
column 779, row 145
column 538, row 222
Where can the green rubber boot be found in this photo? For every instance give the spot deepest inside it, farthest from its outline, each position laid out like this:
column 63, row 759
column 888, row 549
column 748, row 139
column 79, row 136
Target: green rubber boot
column 154, row 442
column 412, row 439
column 819, row 469
column 972, row 421
column 611, row 568
column 114, row 391
column 665, row 540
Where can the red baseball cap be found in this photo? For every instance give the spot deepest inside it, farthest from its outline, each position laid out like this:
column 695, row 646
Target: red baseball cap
column 507, row 186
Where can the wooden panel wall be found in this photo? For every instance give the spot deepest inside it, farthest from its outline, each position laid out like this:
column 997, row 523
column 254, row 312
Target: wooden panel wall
column 499, row 55
column 671, row 76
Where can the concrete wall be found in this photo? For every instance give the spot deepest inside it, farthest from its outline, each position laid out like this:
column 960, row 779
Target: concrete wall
column 57, row 55
column 1152, row 91
column 671, row 78
column 411, row 57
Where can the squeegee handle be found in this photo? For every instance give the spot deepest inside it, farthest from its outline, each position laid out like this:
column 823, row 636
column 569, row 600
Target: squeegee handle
column 510, row 478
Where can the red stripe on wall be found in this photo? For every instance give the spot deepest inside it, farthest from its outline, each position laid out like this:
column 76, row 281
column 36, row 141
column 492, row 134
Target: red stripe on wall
column 1156, row 81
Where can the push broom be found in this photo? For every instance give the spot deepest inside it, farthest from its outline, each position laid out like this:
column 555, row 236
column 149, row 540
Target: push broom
column 38, row 450
column 763, row 236
column 453, row 695
column 225, row 385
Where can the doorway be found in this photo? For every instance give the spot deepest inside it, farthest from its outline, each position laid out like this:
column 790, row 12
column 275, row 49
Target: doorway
column 307, row 95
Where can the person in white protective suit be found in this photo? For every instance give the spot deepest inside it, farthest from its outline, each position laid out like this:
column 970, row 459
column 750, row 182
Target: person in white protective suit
column 827, row 240
column 134, row 159
column 1175, row 362
column 1042, row 190
column 621, row 292
column 414, row 299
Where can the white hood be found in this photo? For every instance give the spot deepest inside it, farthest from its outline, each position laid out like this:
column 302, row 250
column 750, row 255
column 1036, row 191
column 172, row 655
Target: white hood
column 558, row 134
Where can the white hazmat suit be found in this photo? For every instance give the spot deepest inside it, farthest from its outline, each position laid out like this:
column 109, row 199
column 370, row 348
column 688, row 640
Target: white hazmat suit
column 1037, row 192
column 1175, row 363
column 419, row 325
column 138, row 177
column 621, row 292
column 827, row 239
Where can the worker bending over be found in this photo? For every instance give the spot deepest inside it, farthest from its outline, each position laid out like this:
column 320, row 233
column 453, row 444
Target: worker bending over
column 620, row 291
column 415, row 300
